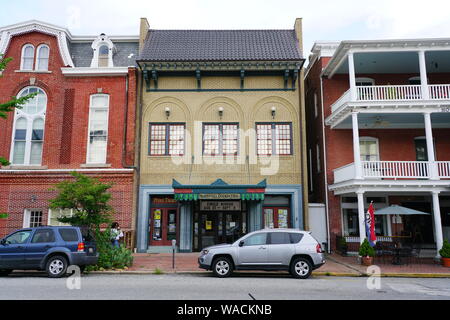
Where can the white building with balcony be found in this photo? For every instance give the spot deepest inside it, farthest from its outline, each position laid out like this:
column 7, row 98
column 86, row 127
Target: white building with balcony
column 383, row 135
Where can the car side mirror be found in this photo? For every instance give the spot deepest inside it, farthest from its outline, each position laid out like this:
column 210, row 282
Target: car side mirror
column 241, row 244
column 3, row 242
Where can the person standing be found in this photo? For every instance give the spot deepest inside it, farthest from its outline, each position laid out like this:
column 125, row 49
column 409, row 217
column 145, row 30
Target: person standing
column 116, row 234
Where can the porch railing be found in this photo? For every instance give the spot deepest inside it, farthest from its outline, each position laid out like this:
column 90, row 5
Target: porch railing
column 393, row 170
column 439, row 91
column 394, row 93
column 396, row 169
column 443, row 169
column 389, row 93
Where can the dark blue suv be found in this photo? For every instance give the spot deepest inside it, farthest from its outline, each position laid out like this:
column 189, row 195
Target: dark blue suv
column 52, row 249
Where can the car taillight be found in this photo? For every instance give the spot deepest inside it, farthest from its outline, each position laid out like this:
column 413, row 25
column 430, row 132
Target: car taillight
column 319, row 248
column 81, row 247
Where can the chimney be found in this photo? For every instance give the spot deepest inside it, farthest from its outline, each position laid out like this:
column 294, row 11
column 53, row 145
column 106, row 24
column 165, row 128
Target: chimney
column 298, row 27
column 145, row 26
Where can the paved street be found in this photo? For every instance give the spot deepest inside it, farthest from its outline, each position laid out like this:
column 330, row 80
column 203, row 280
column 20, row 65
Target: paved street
column 206, row 287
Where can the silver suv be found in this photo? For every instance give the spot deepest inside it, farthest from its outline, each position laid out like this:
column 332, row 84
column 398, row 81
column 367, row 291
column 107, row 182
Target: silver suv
column 270, row 249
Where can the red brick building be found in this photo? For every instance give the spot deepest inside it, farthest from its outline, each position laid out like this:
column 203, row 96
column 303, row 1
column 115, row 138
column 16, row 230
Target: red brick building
column 378, row 131
column 82, row 119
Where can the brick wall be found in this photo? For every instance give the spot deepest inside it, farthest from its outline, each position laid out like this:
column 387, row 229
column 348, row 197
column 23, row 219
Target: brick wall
column 66, row 132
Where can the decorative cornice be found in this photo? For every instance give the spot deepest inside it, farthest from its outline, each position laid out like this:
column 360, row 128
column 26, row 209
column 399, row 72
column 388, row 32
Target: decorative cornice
column 34, row 26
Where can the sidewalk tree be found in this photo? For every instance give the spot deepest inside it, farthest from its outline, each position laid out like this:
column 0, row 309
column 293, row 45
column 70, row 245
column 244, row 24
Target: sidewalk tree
column 9, row 106
column 87, row 197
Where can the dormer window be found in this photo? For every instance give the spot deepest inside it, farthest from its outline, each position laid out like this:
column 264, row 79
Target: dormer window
column 27, row 57
column 103, row 52
column 103, row 56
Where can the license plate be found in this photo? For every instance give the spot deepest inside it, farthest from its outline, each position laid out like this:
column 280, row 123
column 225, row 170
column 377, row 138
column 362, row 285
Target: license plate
column 91, row 250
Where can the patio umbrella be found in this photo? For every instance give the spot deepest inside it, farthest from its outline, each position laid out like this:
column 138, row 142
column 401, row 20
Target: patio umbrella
column 396, row 210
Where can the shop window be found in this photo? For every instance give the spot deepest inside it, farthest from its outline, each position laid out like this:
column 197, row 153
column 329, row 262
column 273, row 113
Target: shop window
column 167, row 139
column 274, row 139
column 275, row 218
column 220, row 139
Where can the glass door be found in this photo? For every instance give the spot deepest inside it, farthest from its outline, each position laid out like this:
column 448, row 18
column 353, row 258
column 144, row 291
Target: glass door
column 163, row 228
column 275, row 218
column 232, row 230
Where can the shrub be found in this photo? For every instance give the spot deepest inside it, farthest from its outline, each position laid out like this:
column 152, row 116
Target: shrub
column 366, row 250
column 445, row 251
column 3, row 216
column 110, row 257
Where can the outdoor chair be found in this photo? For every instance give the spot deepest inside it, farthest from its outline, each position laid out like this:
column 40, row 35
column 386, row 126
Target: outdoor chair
column 415, row 252
column 406, row 254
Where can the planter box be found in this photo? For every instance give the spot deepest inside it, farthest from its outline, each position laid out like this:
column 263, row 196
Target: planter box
column 446, row 262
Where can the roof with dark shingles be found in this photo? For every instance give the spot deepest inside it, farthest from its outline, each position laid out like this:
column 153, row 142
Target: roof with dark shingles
column 221, row 45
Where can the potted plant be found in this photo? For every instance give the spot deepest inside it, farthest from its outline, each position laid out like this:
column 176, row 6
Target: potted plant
column 343, row 246
column 445, row 254
column 366, row 253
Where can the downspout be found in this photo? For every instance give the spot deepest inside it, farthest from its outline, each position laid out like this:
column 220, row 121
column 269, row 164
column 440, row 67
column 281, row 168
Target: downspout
column 325, row 168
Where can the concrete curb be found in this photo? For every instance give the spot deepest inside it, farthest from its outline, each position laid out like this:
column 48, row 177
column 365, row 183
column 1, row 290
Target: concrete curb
column 319, row 274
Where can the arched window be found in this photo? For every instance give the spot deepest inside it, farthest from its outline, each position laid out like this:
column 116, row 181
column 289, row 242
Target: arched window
column 27, row 57
column 43, row 54
column 29, row 124
column 103, row 56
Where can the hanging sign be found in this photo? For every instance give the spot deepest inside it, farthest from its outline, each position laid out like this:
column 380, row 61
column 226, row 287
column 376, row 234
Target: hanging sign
column 220, row 196
column 220, row 206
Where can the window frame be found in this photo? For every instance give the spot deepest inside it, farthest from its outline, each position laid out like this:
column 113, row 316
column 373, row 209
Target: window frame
column 27, row 218
column 38, row 57
column 53, row 211
column 370, row 139
column 22, row 57
column 274, row 138
column 167, row 126
column 91, row 108
column 221, row 140
column 30, row 119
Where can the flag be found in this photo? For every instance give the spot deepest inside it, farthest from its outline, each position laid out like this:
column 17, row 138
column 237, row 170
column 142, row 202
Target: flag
column 370, row 226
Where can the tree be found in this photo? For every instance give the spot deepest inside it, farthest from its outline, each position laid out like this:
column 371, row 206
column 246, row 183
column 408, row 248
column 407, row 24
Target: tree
column 10, row 105
column 88, row 197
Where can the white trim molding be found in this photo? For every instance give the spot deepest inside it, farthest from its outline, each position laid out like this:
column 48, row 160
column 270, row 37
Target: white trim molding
column 61, row 35
column 94, row 72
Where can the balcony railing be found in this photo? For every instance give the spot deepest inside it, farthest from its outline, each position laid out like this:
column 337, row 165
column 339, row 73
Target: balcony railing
column 394, row 93
column 393, row 170
column 389, row 93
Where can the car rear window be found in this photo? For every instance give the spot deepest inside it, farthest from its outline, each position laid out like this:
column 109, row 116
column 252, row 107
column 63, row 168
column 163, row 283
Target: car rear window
column 296, row 237
column 69, row 235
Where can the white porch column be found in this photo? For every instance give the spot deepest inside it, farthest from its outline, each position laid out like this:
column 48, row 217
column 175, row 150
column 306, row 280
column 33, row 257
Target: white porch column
column 437, row 222
column 356, row 146
column 430, row 147
column 361, row 217
column 423, row 75
column 352, row 76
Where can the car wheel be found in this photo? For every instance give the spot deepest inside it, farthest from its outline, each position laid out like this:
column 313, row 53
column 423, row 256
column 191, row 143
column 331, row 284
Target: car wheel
column 4, row 273
column 301, row 268
column 56, row 267
column 222, row 267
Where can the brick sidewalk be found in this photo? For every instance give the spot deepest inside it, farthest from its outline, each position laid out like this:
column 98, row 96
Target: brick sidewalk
column 336, row 265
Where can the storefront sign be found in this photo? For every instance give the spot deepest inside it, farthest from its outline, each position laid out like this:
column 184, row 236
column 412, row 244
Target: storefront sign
column 163, row 200
column 220, row 206
column 220, row 196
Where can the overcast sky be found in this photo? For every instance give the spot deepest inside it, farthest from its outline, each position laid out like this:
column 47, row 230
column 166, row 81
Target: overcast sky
column 323, row 19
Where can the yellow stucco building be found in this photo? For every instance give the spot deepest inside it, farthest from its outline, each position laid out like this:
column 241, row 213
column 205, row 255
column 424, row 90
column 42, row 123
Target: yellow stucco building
column 221, row 135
